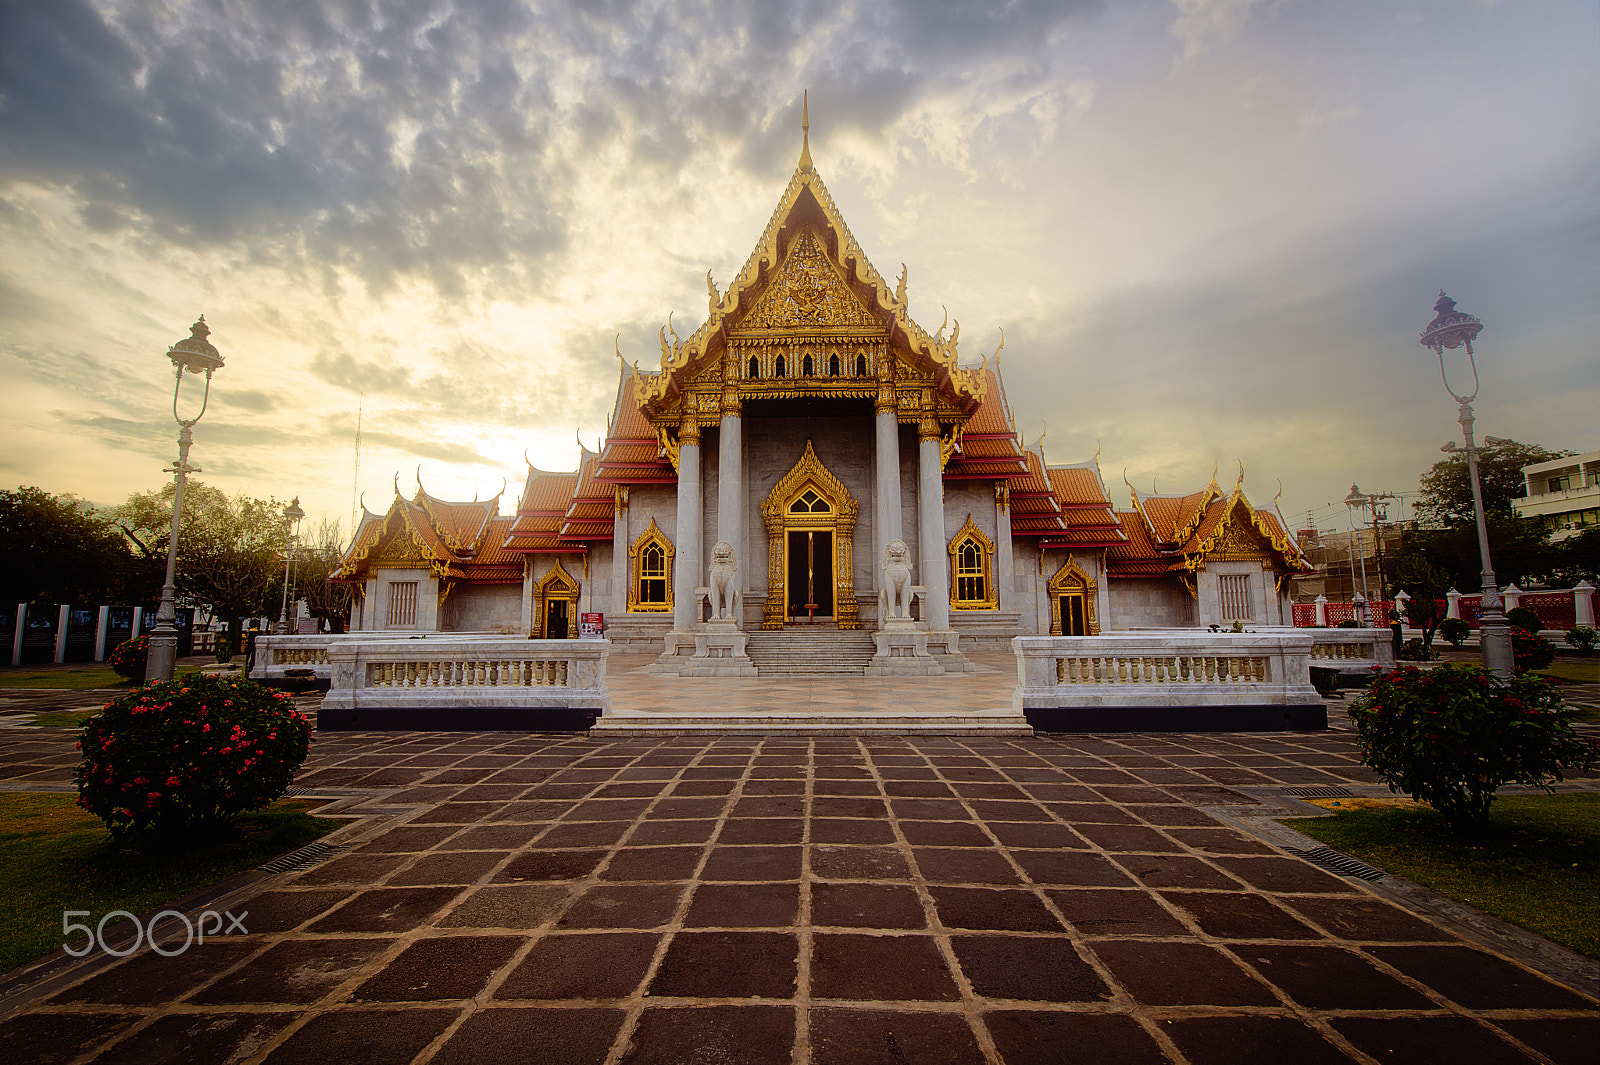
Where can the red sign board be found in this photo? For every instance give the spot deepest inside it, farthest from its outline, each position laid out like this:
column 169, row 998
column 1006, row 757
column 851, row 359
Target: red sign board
column 591, row 626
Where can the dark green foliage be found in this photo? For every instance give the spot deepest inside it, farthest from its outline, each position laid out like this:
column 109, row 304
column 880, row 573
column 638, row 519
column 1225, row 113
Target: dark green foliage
column 1414, row 650
column 1520, row 546
column 59, row 549
column 1453, row 735
column 1426, row 584
column 189, row 753
column 129, row 658
column 1454, row 631
column 1522, row 617
column 1447, row 489
column 1531, row 650
column 1581, row 638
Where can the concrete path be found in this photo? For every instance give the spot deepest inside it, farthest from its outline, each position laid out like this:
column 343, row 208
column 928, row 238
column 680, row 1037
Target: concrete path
column 539, row 898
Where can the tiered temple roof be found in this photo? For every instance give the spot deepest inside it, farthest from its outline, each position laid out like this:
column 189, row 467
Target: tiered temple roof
column 454, row 541
column 1176, row 534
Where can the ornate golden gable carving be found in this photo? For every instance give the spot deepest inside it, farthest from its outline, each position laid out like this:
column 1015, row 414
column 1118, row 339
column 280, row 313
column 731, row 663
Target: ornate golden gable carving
column 808, row 293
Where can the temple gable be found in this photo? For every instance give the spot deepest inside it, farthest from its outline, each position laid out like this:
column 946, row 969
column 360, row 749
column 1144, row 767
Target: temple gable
column 807, row 293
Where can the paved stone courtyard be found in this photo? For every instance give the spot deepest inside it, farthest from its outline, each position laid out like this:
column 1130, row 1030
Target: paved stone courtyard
column 896, row 900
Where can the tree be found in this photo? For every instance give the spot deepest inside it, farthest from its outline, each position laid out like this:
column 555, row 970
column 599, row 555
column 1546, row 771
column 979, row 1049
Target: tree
column 1447, row 489
column 1520, row 548
column 60, row 549
column 230, row 548
column 1578, row 557
column 1426, row 584
column 327, row 601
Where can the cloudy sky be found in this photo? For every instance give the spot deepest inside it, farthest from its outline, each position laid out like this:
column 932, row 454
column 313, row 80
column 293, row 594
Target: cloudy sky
column 1211, row 229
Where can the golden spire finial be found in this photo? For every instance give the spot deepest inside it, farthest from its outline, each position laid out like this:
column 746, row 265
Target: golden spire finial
column 805, row 132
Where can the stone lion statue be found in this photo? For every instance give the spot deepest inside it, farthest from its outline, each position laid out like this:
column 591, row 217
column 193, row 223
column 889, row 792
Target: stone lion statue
column 895, row 597
column 724, row 582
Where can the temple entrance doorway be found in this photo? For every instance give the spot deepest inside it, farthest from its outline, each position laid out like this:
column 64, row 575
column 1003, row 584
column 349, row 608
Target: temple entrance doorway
column 810, row 574
column 555, row 620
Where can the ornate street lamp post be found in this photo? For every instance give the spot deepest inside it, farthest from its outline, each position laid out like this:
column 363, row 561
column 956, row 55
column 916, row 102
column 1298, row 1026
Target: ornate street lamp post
column 1452, row 329
column 195, row 354
column 291, row 517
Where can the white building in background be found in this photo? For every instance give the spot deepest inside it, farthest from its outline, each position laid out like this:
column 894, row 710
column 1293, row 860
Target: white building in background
column 1563, row 493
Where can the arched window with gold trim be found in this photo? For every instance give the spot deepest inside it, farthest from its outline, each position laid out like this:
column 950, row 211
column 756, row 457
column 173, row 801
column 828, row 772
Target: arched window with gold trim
column 971, row 564
column 861, row 366
column 808, row 368
column 1072, row 602
column 755, row 369
column 650, row 569
column 833, row 366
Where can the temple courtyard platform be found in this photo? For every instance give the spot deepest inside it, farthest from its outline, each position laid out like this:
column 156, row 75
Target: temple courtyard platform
column 933, row 900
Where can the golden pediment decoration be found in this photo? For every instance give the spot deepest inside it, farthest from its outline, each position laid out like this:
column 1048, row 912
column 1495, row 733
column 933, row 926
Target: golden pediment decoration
column 402, row 551
column 808, row 293
column 1238, row 543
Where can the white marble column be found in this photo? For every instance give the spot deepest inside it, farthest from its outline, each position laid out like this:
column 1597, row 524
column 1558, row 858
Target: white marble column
column 886, row 483
column 1004, row 564
column 730, row 486
column 690, row 566
column 934, row 570
column 621, row 541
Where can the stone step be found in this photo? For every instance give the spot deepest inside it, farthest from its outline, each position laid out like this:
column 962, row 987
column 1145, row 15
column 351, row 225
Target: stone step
column 829, row 653
column 997, row 723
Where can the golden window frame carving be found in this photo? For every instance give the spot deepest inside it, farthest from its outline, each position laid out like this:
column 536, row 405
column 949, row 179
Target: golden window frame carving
column 970, row 533
column 635, row 553
column 1070, row 576
column 557, row 584
column 810, row 473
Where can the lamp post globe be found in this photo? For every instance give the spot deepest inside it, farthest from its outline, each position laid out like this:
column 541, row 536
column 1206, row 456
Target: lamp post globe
column 1449, row 330
column 195, row 354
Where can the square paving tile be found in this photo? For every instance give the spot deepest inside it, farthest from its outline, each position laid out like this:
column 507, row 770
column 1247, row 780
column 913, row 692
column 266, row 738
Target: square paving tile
column 623, row 906
column 1428, row 1039
column 386, row 910
column 866, row 906
column 744, row 906
column 443, row 968
column 1116, row 913
column 507, row 906
column 883, row 968
column 200, row 1038
column 728, row 965
column 298, row 970
column 452, row 867
column 1180, row 974
column 1239, row 915
column 1479, row 980
column 1328, row 978
column 363, row 1035
column 1051, row 1038
column 653, row 863
column 551, row 865
column 1070, row 868
column 147, row 976
column 533, row 1036
column 888, row 1037
column 1177, row 870
column 588, row 965
column 1564, row 1040
column 752, row 863
column 993, row 910
column 735, row 1035
column 859, row 863
column 964, row 865
column 1034, row 968
column 1251, row 1041
column 1365, row 919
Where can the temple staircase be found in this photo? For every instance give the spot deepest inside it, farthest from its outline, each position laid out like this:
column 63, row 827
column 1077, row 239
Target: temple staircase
column 814, row 652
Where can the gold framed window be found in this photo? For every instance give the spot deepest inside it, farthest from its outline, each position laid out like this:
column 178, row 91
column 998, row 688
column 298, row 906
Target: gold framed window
column 650, row 563
column 1072, row 601
column 971, row 565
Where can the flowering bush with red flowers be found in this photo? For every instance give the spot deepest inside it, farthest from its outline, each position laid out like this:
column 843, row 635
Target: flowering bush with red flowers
column 1452, row 736
column 189, row 753
column 128, row 658
column 1531, row 650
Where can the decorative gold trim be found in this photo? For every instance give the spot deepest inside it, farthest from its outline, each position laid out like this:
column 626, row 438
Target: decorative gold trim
column 809, row 472
column 1072, row 579
column 557, row 584
column 688, row 431
column 971, row 532
column 652, row 534
column 669, row 446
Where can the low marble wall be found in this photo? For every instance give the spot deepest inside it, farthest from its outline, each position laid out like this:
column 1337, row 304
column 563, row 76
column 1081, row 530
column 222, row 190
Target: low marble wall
column 465, row 682
column 276, row 655
column 1167, row 680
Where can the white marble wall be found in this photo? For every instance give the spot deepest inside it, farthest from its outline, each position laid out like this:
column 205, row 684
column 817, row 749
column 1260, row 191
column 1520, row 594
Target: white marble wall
column 483, row 608
column 1158, row 603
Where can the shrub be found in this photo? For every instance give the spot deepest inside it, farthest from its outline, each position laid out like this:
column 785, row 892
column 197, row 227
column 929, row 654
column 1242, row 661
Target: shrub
column 128, row 658
column 1453, row 735
column 189, row 753
column 1582, row 639
column 1522, row 617
column 1414, row 650
column 1348, row 623
column 1454, row 631
column 1531, row 650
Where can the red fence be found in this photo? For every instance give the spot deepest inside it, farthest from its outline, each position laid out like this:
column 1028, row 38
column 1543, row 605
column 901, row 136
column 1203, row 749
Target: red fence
column 1556, row 610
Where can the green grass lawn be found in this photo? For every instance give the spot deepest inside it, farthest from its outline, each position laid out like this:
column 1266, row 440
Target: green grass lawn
column 1585, row 670
column 1538, row 866
column 55, row 857
column 86, row 675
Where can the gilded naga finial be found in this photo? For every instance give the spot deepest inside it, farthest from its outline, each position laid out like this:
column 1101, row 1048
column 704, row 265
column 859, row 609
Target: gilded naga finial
column 711, row 287
column 900, row 289
column 805, row 132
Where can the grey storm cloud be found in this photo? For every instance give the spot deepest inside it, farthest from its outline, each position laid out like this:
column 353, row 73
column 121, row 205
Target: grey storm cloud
column 429, row 140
